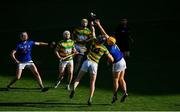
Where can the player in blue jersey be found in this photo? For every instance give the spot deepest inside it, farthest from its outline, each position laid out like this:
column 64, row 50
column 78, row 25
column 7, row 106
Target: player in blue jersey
column 22, row 57
column 119, row 64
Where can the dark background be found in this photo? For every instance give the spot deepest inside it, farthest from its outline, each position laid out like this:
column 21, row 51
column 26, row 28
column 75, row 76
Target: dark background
column 154, row 63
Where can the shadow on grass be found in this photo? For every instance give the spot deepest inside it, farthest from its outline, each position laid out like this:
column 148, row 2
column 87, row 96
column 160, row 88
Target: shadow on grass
column 48, row 104
column 151, row 79
column 20, row 89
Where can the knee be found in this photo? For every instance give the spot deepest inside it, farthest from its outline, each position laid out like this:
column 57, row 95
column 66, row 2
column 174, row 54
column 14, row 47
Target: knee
column 36, row 73
column 115, row 77
column 121, row 78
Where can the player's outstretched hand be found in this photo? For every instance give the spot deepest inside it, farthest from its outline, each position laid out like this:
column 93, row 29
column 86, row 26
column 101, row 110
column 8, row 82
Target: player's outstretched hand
column 52, row 44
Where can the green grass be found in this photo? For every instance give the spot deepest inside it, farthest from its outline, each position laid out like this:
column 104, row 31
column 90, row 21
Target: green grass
column 26, row 96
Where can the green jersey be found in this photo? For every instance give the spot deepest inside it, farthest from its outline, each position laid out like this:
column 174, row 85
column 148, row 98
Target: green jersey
column 65, row 48
column 96, row 52
column 82, row 34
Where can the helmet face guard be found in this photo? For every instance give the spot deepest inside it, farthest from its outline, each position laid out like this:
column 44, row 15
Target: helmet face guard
column 101, row 40
column 66, row 34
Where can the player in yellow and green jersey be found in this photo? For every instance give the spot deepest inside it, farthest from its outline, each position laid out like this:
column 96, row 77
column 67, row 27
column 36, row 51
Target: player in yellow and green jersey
column 96, row 51
column 82, row 35
column 64, row 51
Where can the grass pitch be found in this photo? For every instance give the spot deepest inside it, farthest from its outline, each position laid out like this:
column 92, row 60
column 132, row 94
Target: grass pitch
column 25, row 95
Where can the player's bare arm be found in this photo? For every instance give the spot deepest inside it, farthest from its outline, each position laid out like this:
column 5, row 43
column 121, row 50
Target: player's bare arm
column 103, row 32
column 92, row 29
column 57, row 53
column 110, row 58
column 14, row 57
column 41, row 43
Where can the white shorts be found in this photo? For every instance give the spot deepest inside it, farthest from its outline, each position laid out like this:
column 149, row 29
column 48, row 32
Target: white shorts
column 26, row 64
column 63, row 64
column 89, row 66
column 119, row 66
column 80, row 49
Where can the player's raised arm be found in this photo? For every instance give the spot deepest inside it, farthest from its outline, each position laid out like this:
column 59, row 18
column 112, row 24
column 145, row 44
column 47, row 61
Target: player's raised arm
column 92, row 29
column 103, row 32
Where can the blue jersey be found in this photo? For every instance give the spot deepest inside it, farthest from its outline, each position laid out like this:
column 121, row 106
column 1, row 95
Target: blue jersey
column 115, row 52
column 24, row 51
